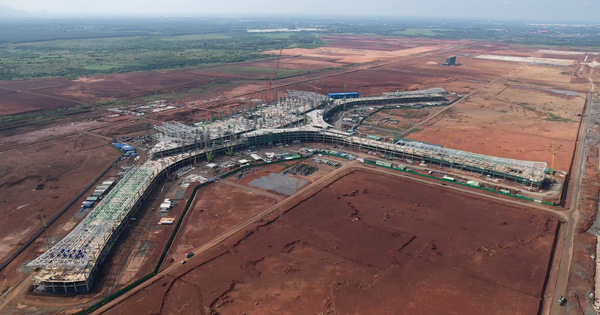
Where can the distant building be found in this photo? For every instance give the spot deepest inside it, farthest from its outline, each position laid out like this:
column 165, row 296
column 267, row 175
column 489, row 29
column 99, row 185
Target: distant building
column 450, row 61
column 338, row 96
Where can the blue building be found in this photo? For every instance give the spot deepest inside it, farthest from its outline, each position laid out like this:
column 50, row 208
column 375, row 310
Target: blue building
column 125, row 148
column 337, row 96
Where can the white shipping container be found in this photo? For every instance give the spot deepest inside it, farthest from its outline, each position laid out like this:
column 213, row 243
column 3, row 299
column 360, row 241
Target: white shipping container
column 383, row 163
column 473, row 183
column 256, row 157
column 166, row 205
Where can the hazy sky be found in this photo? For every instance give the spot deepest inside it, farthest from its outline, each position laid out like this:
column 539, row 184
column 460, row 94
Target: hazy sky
column 529, row 10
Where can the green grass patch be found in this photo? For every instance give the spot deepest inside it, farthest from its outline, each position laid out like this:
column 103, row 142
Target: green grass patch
column 194, row 37
column 526, row 106
column 422, row 32
column 553, row 117
column 275, row 35
column 99, row 67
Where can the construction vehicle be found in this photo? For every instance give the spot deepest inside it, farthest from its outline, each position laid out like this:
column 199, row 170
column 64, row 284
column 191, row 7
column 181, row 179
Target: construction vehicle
column 562, row 301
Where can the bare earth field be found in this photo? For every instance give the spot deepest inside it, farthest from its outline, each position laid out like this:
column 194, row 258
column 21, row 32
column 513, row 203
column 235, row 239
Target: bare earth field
column 370, row 42
column 42, row 134
column 380, row 125
column 515, row 118
column 211, row 216
column 13, row 102
column 296, row 63
column 136, row 84
column 413, row 74
column 65, row 166
column 345, row 55
column 370, row 244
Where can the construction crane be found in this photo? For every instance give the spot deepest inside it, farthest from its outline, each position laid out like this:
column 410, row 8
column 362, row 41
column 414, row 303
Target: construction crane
column 448, row 138
column 273, row 82
column 180, row 102
column 553, row 158
column 45, row 227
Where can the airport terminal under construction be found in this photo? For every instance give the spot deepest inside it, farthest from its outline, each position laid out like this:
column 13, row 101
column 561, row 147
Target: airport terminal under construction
column 72, row 264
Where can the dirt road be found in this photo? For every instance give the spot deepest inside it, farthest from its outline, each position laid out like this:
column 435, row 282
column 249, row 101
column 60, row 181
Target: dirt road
column 285, row 204
column 566, row 256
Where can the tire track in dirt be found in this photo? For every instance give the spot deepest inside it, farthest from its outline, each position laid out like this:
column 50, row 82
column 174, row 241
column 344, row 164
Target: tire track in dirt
column 302, row 196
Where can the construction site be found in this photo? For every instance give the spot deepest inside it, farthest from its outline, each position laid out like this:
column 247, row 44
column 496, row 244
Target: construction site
column 314, row 199
column 345, row 247
column 71, row 265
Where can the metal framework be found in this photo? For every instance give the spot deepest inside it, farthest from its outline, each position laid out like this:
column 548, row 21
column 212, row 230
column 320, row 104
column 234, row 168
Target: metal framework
column 525, row 169
column 70, row 265
column 429, row 92
column 435, row 94
column 75, row 256
column 526, row 172
column 291, row 110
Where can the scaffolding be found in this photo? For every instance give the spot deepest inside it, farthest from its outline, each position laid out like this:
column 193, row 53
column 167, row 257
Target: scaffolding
column 435, row 94
column 525, row 172
column 535, row 171
column 75, row 257
column 289, row 111
column 70, row 265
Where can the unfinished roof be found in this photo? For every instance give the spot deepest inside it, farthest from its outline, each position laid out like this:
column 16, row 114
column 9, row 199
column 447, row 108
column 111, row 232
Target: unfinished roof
column 80, row 249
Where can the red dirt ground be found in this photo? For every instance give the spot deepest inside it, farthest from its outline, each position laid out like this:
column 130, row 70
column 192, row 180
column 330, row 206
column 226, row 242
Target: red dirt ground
column 369, row 42
column 13, row 102
column 414, row 74
column 35, row 84
column 210, row 216
column 135, row 84
column 370, row 244
column 380, row 42
column 345, row 55
column 65, row 166
column 294, row 63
